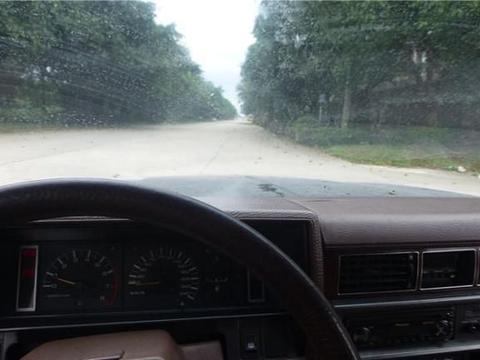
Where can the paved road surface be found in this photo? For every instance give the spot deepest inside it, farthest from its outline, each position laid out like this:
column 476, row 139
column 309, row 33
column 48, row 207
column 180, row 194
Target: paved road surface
column 214, row 148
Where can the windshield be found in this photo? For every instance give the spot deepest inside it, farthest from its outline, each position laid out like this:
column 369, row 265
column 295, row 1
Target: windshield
column 376, row 92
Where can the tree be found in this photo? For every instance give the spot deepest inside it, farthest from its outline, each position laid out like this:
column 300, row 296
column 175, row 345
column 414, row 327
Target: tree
column 98, row 62
column 371, row 61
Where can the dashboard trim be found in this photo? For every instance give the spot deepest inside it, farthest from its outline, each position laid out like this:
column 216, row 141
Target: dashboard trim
column 251, row 299
column 143, row 321
column 419, row 351
column 375, row 304
column 35, row 280
column 315, row 256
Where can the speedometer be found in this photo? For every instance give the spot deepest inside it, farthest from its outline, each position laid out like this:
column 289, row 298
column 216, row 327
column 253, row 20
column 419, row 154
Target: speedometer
column 163, row 277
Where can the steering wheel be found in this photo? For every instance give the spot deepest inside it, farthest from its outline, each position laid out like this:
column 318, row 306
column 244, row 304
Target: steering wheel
column 326, row 337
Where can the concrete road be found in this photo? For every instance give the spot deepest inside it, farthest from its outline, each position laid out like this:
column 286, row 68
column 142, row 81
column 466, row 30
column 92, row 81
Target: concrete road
column 214, row 148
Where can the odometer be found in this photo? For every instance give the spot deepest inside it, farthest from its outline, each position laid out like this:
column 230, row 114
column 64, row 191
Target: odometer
column 79, row 279
column 164, row 277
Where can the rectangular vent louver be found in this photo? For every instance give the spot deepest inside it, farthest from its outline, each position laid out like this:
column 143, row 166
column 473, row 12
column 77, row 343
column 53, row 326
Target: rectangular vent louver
column 450, row 268
column 368, row 273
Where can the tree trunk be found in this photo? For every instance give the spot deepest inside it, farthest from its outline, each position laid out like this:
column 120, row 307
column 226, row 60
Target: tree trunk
column 322, row 109
column 432, row 116
column 347, row 105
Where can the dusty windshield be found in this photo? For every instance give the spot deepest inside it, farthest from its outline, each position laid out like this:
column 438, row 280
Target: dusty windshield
column 292, row 97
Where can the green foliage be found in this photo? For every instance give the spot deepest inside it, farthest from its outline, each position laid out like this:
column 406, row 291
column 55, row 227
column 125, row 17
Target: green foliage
column 428, row 147
column 373, row 62
column 98, row 62
column 324, row 136
column 420, row 156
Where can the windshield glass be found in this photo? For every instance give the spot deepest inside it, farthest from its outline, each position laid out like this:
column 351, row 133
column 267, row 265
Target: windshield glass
column 339, row 97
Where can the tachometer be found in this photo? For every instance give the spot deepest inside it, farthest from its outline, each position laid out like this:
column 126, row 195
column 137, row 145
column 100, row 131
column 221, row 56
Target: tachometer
column 79, row 279
column 163, row 277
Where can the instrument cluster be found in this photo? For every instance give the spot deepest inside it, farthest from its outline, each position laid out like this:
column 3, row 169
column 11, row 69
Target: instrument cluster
column 106, row 271
column 170, row 273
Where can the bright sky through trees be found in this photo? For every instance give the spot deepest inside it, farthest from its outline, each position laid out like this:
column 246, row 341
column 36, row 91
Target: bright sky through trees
column 217, row 34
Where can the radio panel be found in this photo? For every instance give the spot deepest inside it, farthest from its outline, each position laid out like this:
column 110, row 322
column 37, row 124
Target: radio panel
column 402, row 327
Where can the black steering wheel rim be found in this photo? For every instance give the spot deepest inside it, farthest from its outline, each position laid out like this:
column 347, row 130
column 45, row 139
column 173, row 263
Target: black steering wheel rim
column 326, row 337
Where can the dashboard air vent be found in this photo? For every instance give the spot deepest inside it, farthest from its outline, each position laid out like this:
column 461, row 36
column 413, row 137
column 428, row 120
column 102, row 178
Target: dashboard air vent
column 369, row 273
column 450, row 268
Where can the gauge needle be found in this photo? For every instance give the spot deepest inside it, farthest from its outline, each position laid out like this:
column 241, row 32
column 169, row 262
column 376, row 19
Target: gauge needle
column 66, row 281
column 151, row 283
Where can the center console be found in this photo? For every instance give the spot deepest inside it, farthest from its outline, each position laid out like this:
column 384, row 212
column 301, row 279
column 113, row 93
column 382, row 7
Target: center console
column 409, row 303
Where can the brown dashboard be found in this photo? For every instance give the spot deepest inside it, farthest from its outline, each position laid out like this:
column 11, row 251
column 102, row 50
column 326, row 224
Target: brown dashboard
column 403, row 273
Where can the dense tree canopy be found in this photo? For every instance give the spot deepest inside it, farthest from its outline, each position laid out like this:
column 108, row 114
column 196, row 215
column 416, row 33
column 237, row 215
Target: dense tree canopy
column 373, row 62
column 98, row 62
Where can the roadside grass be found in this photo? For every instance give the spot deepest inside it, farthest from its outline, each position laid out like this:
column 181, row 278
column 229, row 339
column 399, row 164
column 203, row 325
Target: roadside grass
column 7, row 128
column 404, row 156
column 20, row 127
column 435, row 148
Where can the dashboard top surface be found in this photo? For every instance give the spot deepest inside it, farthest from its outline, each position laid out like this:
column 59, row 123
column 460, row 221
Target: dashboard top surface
column 360, row 221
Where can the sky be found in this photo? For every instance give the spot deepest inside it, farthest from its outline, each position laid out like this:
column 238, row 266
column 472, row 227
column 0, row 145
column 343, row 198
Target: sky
column 217, row 34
